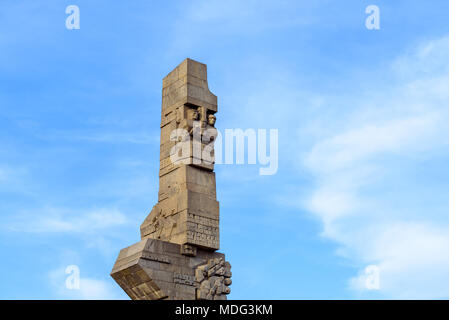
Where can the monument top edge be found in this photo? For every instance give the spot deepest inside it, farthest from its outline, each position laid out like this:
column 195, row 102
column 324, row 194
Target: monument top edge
column 188, row 67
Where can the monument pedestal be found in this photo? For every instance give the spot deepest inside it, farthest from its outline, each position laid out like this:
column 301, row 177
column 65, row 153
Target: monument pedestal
column 153, row 269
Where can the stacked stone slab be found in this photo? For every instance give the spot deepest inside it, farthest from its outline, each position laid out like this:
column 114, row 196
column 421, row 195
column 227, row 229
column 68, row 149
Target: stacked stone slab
column 176, row 257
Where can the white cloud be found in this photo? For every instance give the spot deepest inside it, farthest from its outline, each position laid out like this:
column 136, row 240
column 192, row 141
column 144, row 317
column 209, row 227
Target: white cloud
column 89, row 288
column 93, row 229
column 357, row 166
column 412, row 257
column 103, row 137
column 427, row 59
column 351, row 147
column 59, row 220
column 95, row 289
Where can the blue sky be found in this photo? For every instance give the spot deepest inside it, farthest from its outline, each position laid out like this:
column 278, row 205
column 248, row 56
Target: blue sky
column 363, row 141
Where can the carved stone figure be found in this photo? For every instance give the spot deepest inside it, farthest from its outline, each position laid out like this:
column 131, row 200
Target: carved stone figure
column 177, row 258
column 213, row 280
column 211, row 120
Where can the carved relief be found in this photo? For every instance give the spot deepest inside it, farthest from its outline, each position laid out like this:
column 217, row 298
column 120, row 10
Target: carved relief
column 191, row 119
column 188, row 250
column 184, row 279
column 211, row 119
column 213, row 280
column 159, row 224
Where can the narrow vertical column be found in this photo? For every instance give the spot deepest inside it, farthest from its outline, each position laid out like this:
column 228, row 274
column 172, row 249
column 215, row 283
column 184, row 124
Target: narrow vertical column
column 187, row 211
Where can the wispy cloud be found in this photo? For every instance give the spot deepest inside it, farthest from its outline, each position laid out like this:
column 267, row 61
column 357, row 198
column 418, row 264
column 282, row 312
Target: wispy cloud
column 99, row 229
column 104, row 137
column 365, row 177
column 60, row 220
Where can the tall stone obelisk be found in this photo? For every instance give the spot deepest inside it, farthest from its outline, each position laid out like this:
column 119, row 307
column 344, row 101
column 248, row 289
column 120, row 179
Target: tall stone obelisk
column 176, row 257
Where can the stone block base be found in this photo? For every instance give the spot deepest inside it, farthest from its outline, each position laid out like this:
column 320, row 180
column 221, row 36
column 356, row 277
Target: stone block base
column 153, row 269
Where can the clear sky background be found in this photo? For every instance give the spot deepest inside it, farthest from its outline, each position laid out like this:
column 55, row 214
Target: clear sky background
column 363, row 141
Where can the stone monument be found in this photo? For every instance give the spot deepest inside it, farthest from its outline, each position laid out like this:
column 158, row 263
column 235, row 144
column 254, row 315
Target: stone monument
column 177, row 258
